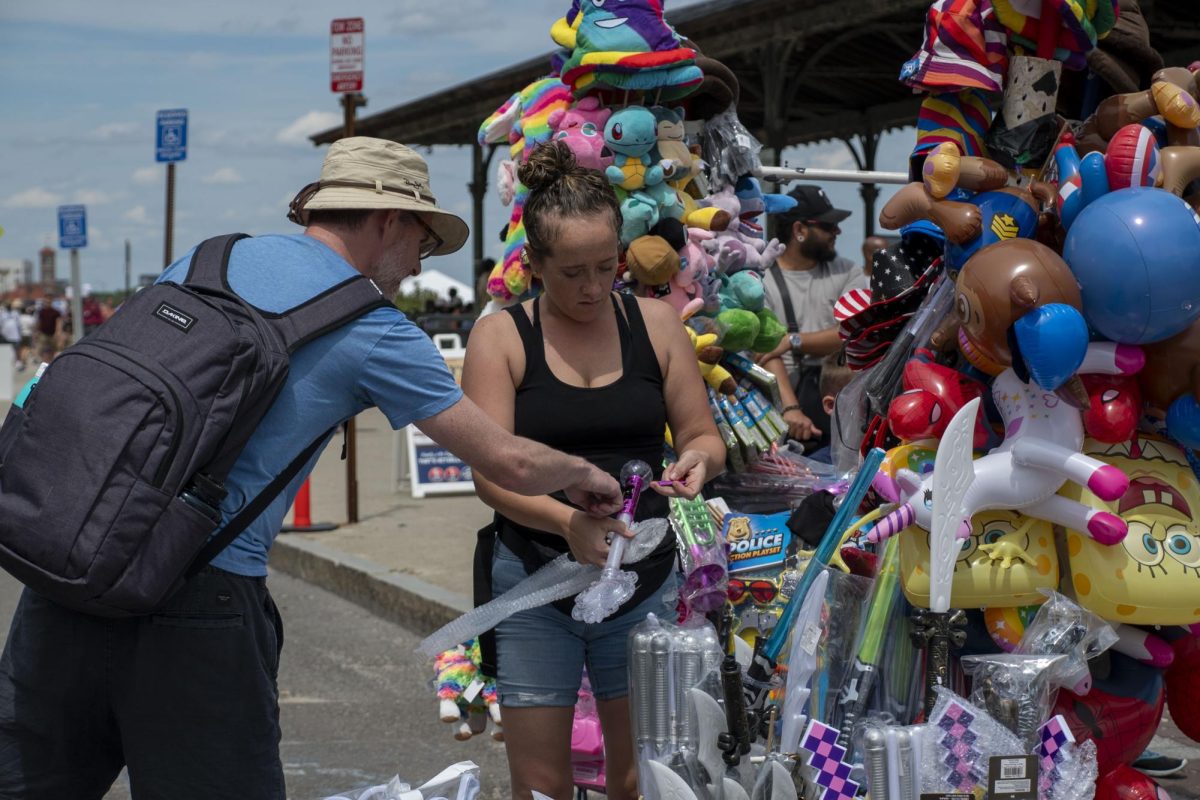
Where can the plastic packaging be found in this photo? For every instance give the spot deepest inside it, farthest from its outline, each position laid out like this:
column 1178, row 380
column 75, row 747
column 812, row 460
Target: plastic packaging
column 561, row 578
column 614, row 586
column 730, row 151
column 676, row 718
column 457, row 782
column 957, row 744
column 702, row 555
column 1063, row 627
column 1016, row 690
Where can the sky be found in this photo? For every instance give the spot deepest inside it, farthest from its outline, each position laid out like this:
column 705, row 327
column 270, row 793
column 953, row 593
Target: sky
column 82, row 80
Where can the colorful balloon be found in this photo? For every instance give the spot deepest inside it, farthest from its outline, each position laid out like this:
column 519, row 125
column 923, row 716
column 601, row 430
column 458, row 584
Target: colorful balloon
column 1132, row 158
column 1136, row 255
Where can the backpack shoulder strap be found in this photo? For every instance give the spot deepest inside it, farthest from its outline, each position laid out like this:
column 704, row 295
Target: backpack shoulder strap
column 328, row 311
column 210, row 262
column 786, row 298
column 255, row 507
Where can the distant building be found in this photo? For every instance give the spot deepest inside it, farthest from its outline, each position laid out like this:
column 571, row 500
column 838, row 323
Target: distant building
column 147, row 279
column 47, row 277
column 27, row 273
column 10, row 274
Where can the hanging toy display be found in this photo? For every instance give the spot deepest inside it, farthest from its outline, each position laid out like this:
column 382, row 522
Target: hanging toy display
column 1022, row 419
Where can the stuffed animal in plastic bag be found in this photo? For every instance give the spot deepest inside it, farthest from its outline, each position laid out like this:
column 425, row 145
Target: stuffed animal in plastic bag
column 465, row 695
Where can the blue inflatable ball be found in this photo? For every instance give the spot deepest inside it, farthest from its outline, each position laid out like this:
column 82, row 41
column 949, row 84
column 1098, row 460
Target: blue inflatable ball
column 1183, row 422
column 1136, row 255
column 1053, row 340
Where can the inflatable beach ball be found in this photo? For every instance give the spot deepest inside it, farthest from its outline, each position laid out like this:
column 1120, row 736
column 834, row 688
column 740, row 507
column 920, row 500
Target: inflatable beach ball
column 1136, row 255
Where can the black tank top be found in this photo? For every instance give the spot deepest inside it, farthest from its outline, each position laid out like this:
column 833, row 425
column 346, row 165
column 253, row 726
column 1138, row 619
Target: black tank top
column 606, row 425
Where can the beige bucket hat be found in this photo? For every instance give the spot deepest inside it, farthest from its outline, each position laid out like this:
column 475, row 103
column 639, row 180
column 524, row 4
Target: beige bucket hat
column 361, row 172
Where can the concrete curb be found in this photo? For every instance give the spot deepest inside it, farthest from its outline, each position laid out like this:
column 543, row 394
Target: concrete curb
column 403, row 599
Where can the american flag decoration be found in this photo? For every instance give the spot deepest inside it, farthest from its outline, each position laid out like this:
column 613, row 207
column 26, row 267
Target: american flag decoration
column 851, row 303
column 828, row 758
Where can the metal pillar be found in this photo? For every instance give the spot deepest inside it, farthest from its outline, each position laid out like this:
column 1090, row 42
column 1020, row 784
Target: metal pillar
column 868, row 143
column 480, row 164
column 350, row 103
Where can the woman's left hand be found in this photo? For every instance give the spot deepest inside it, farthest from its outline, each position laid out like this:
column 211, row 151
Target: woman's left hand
column 684, row 478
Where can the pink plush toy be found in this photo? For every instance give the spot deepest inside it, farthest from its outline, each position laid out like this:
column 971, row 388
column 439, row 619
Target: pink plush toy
column 587, row 143
column 586, row 110
column 734, row 250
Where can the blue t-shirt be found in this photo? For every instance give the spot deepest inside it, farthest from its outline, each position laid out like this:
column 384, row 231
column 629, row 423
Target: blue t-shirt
column 381, row 359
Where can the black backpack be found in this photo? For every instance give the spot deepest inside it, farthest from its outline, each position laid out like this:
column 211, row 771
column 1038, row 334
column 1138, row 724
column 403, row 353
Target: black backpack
column 112, row 473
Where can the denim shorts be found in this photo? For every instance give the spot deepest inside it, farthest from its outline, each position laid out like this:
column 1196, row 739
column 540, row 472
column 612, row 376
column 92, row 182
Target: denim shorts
column 541, row 652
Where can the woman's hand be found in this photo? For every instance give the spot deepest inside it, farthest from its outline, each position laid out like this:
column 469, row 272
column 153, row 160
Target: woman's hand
column 685, row 478
column 589, row 539
column 800, row 427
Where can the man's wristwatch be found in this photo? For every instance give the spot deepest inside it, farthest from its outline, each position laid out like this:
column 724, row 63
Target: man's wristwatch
column 792, row 407
column 794, row 341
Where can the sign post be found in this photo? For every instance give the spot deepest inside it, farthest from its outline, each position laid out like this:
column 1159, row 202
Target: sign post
column 347, row 46
column 170, row 145
column 72, row 235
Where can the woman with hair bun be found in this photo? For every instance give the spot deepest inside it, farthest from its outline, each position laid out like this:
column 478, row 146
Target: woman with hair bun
column 598, row 375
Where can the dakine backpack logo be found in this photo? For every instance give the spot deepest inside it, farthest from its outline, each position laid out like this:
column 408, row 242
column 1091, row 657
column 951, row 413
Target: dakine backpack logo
column 112, row 472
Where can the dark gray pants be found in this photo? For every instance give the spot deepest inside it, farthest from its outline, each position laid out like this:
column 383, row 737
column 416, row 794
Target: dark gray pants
column 186, row 697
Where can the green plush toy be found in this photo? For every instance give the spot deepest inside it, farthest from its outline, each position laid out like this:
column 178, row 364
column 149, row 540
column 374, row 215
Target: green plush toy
column 770, row 332
column 738, row 329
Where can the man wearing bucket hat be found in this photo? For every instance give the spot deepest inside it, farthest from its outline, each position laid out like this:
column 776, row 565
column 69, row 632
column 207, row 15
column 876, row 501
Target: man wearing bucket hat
column 803, row 287
column 187, row 697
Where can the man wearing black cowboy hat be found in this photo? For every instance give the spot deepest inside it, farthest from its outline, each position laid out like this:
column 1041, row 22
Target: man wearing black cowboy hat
column 802, row 288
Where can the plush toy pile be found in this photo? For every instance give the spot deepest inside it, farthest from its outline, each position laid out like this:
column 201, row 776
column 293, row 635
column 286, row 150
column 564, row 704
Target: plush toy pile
column 635, row 101
column 1023, row 524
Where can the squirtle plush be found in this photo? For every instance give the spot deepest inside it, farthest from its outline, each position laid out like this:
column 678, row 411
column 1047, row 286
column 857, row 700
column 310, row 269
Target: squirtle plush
column 631, row 135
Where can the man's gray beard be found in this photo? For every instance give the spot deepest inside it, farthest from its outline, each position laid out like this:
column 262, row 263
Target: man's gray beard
column 809, row 248
column 389, row 271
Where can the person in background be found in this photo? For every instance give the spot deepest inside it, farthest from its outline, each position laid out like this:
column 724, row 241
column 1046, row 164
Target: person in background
column 28, row 320
column 49, row 328
column 871, row 246
column 598, row 375
column 10, row 331
column 801, row 290
column 93, row 316
column 835, row 375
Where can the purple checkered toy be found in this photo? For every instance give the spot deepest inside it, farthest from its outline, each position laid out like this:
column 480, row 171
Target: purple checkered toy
column 1052, row 750
column 961, row 757
column 827, row 758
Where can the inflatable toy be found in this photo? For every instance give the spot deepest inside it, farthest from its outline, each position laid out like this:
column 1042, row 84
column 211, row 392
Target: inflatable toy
column 1136, row 255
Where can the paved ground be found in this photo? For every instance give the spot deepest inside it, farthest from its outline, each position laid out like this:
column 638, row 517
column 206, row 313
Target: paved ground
column 356, row 705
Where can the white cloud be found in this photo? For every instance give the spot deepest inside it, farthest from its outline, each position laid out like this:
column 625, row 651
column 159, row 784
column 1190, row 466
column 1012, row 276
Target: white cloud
column 137, row 214
column 91, row 197
column 312, row 122
column 146, row 176
column 37, row 197
column 223, row 175
column 113, row 130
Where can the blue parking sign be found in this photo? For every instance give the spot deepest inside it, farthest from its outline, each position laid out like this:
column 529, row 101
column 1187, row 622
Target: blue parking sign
column 170, row 140
column 72, row 227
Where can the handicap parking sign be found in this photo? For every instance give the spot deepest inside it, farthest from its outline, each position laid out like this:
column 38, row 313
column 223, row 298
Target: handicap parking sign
column 72, row 227
column 170, row 141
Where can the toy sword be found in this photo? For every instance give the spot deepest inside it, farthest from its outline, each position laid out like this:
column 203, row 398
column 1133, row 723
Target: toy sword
column 802, row 663
column 857, row 688
column 766, row 655
column 953, row 474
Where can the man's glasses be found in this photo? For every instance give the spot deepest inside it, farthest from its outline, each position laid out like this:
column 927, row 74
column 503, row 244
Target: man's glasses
column 763, row 591
column 430, row 242
column 828, row 227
